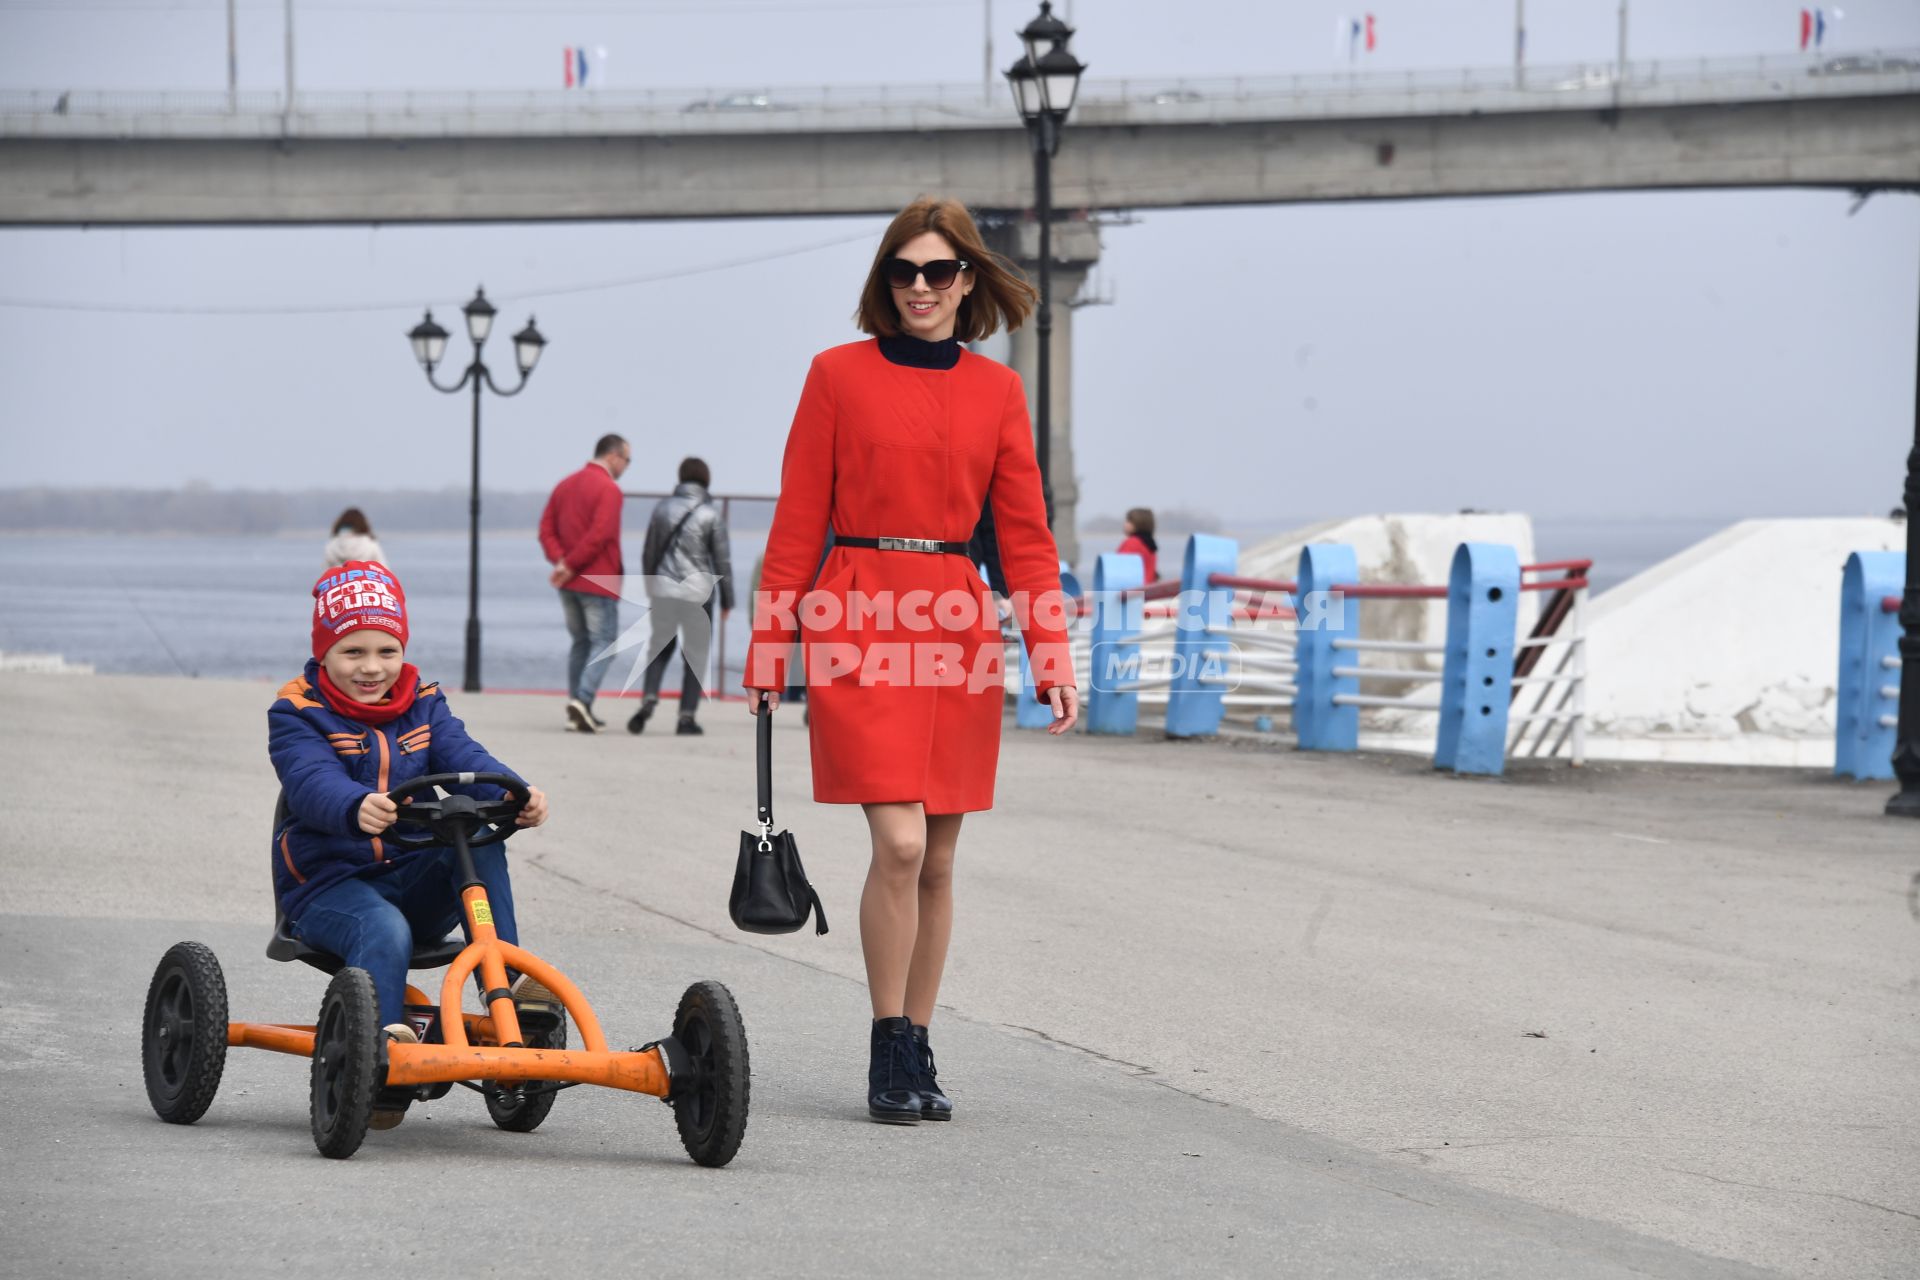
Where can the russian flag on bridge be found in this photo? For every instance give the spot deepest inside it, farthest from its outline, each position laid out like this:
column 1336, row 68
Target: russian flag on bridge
column 1353, row 30
column 575, row 58
column 1806, row 29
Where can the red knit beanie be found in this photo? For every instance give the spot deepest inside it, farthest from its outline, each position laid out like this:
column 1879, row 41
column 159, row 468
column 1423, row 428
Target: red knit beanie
column 360, row 593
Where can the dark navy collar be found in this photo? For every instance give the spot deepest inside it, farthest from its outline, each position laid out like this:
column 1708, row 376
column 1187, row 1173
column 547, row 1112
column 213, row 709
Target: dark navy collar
column 918, row 353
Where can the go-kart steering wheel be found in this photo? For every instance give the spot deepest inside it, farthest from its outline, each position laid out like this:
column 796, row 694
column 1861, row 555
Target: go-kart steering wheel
column 482, row 822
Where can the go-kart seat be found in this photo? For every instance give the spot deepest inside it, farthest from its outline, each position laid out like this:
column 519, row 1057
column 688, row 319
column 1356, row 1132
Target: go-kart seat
column 284, row 946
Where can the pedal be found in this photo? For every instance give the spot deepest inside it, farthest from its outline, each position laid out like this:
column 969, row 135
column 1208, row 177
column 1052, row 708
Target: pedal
column 539, row 1021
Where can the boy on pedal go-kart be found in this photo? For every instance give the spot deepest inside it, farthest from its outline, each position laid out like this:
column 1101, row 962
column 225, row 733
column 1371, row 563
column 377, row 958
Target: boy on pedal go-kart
column 355, row 725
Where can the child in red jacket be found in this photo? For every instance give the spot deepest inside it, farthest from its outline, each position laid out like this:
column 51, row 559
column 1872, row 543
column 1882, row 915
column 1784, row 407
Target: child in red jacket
column 355, row 725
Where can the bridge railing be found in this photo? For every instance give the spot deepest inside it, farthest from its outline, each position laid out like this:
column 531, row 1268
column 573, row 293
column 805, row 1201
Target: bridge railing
column 796, row 108
column 1785, row 73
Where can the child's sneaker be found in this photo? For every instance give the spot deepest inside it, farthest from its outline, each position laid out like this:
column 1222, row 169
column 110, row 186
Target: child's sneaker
column 531, row 996
column 384, row 1117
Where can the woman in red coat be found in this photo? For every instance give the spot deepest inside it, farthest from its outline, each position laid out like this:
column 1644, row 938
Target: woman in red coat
column 896, row 446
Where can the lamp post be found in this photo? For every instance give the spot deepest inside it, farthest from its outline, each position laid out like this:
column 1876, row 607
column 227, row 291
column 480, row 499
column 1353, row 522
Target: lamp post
column 429, row 345
column 1044, row 84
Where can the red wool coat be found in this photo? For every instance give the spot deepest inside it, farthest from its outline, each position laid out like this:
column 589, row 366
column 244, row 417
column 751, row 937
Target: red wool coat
column 905, row 683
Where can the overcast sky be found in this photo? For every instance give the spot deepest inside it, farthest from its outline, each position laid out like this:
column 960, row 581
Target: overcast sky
column 1645, row 356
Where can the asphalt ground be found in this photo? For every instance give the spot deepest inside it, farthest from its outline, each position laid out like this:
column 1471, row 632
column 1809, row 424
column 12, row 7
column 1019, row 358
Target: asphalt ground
column 1213, row 1008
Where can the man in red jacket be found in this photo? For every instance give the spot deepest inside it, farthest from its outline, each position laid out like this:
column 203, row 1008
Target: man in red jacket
column 580, row 532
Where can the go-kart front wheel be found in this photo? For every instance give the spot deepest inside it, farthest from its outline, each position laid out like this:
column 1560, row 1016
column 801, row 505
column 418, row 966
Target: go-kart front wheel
column 711, row 1110
column 520, row 1107
column 347, row 1064
column 183, row 1034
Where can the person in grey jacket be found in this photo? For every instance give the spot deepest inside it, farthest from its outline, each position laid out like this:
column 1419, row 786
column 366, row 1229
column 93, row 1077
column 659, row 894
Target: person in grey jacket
column 689, row 567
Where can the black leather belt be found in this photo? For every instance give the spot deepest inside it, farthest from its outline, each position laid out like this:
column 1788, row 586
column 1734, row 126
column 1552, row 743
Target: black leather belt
column 926, row 546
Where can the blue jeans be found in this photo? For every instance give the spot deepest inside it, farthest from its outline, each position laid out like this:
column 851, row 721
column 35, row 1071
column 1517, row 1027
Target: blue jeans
column 593, row 622
column 374, row 922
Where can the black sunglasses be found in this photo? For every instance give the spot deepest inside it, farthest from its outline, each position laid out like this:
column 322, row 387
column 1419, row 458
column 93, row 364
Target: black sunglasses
column 940, row 273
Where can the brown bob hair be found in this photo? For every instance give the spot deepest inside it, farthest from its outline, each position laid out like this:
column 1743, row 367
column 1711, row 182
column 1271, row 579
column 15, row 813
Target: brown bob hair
column 1001, row 295
column 353, row 520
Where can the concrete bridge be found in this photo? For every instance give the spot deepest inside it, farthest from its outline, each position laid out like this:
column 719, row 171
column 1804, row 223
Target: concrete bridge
column 134, row 158
column 80, row 158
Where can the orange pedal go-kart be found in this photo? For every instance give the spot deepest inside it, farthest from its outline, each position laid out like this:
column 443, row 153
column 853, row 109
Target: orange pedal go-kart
column 518, row 1060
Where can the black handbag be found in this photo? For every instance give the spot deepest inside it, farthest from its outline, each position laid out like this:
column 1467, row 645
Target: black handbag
column 770, row 889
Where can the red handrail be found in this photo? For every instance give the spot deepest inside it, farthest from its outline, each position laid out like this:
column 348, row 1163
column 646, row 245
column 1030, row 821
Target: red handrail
column 1389, row 591
column 1161, row 590
column 1250, row 584
column 1259, row 587
column 1154, row 590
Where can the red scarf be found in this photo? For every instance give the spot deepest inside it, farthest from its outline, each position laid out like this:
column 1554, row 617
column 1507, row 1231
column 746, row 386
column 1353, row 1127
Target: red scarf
column 396, row 704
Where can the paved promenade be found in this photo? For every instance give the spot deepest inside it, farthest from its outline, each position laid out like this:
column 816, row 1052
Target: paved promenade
column 1217, row 1008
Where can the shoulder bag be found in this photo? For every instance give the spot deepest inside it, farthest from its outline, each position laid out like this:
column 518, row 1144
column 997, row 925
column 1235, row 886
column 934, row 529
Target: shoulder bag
column 770, row 889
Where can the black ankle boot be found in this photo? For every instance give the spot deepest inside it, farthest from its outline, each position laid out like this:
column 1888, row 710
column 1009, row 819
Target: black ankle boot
column 934, row 1105
column 891, row 1095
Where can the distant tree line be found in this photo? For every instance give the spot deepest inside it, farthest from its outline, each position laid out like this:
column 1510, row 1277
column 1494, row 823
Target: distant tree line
column 203, row 509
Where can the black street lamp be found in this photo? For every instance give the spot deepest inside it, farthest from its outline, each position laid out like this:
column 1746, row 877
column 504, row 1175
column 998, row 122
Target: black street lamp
column 1044, row 84
column 429, row 345
column 1906, row 748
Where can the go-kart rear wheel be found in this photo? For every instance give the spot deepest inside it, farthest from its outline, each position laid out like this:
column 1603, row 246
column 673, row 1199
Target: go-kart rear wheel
column 711, row 1110
column 511, row 1106
column 183, row 1034
column 347, row 1064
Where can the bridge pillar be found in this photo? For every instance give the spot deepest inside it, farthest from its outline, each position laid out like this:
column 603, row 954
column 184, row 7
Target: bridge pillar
column 1076, row 247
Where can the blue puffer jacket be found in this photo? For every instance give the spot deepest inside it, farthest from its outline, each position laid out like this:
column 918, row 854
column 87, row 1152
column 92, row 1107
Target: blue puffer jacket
column 328, row 763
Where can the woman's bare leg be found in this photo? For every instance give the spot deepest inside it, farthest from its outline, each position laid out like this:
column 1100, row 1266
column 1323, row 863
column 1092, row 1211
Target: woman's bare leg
column 936, row 917
column 890, row 904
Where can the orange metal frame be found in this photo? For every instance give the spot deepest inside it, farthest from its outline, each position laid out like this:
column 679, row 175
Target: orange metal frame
column 498, row 1055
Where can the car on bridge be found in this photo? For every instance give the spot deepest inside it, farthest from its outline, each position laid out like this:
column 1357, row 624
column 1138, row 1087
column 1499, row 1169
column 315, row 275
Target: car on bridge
column 738, row 102
column 1599, row 78
column 1863, row 64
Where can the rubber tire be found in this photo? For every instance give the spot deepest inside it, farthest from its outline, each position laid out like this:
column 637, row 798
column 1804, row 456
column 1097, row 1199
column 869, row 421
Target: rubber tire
column 711, row 1111
column 526, row 1115
column 182, row 1060
column 349, row 1064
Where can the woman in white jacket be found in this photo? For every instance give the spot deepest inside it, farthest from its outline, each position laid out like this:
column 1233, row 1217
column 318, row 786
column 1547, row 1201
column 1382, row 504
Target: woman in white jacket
column 352, row 540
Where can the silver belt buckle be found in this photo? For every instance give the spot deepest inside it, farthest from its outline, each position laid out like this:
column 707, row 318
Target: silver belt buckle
column 926, row 545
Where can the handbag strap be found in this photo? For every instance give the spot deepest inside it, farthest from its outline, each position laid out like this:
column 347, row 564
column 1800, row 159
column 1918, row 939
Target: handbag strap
column 672, row 538
column 819, row 912
column 764, row 733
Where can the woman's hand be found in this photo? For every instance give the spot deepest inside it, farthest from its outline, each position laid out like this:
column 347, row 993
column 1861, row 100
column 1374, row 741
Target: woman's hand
column 534, row 812
column 1066, row 708
column 377, row 813
column 758, row 696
